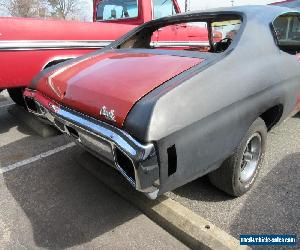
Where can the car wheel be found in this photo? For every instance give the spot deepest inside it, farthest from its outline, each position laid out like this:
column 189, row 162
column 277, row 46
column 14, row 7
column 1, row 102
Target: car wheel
column 238, row 173
column 16, row 94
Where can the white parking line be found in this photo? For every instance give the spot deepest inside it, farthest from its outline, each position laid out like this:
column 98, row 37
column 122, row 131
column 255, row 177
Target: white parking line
column 36, row 158
column 6, row 105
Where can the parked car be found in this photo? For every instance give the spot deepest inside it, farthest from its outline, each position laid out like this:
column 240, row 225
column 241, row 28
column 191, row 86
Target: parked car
column 29, row 45
column 164, row 117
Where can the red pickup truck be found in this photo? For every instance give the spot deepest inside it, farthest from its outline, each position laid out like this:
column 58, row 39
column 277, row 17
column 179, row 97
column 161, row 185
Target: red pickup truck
column 28, row 46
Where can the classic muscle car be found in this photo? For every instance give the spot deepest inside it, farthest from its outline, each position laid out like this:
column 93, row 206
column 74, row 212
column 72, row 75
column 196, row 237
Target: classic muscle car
column 28, row 45
column 164, row 116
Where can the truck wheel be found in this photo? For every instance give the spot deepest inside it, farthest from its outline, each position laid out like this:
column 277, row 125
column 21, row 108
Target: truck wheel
column 16, row 94
column 238, row 173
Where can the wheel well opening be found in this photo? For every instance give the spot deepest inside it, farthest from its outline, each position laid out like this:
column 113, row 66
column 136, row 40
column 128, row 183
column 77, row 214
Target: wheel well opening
column 272, row 116
column 55, row 62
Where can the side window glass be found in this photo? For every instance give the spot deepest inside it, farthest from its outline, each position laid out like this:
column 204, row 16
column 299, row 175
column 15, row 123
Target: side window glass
column 120, row 9
column 163, row 8
column 287, row 32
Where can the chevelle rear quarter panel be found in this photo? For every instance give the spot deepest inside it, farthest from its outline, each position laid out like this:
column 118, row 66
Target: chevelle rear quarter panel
column 205, row 117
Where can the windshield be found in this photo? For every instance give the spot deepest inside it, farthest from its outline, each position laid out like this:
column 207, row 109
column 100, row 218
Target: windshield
column 116, row 9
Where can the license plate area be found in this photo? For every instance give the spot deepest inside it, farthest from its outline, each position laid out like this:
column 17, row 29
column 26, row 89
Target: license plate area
column 99, row 146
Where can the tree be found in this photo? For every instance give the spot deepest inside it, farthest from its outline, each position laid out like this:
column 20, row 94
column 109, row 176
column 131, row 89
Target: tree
column 64, row 9
column 61, row 9
column 24, row 8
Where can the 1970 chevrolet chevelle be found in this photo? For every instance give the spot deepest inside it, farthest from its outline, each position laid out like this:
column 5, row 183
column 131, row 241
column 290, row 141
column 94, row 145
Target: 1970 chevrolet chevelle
column 164, row 116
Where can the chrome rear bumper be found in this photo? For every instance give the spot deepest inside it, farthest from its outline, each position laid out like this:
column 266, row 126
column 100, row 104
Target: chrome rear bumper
column 135, row 161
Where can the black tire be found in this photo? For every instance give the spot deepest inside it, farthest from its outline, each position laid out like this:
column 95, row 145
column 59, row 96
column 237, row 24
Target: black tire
column 16, row 94
column 231, row 176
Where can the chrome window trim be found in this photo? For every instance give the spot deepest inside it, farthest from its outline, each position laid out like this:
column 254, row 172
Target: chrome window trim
column 152, row 9
column 180, row 43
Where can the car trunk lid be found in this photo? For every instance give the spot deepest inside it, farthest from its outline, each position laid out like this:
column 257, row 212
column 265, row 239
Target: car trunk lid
column 107, row 85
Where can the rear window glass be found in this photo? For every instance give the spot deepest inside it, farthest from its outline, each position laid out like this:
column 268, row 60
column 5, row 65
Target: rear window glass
column 287, row 32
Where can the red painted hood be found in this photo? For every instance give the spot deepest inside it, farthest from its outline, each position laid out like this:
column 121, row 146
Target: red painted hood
column 111, row 79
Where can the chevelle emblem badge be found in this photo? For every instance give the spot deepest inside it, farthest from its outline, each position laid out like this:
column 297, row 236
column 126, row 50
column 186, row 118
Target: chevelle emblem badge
column 109, row 115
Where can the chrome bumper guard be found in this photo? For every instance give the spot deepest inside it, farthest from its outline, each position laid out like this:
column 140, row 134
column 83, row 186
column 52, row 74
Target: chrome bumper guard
column 135, row 161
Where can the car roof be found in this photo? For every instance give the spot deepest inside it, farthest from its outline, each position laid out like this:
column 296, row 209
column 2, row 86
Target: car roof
column 270, row 9
column 289, row 3
column 253, row 15
column 262, row 12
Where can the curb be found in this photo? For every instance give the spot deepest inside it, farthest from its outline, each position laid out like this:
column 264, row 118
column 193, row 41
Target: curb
column 31, row 121
column 188, row 227
column 5, row 94
column 4, row 98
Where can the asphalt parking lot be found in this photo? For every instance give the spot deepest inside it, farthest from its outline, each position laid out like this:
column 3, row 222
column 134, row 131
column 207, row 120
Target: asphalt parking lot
column 53, row 202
